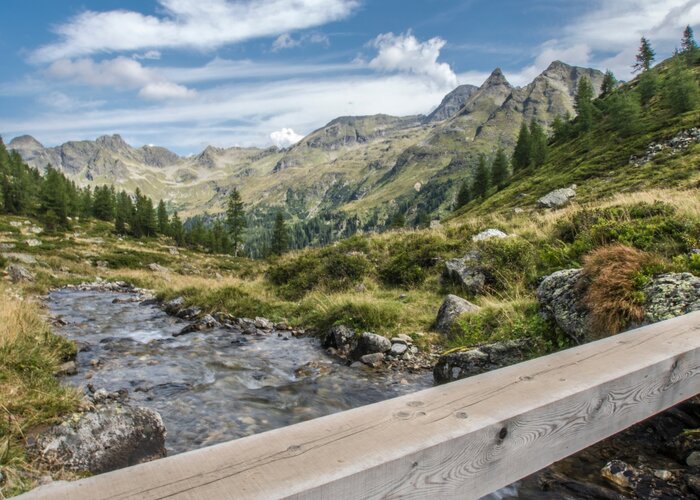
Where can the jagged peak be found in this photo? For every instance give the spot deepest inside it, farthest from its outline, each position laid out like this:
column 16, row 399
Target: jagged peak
column 496, row 78
column 114, row 141
column 25, row 142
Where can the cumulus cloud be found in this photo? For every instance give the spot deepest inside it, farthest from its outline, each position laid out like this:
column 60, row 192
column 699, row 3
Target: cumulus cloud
column 285, row 137
column 198, row 24
column 405, row 53
column 160, row 91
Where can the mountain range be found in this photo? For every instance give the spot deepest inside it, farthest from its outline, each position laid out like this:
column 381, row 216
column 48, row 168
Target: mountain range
column 363, row 168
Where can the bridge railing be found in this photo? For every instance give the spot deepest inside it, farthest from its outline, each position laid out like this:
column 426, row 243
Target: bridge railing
column 460, row 440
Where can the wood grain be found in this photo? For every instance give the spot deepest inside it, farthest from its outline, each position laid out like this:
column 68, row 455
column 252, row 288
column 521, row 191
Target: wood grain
column 461, row 440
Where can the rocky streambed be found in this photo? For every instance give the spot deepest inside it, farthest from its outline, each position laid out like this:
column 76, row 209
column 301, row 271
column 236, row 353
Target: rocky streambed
column 215, row 385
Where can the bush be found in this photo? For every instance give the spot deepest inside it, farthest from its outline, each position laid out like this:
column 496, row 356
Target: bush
column 510, row 262
column 411, row 257
column 359, row 313
column 613, row 277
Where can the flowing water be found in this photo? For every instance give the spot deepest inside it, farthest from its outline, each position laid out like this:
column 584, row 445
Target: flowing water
column 212, row 386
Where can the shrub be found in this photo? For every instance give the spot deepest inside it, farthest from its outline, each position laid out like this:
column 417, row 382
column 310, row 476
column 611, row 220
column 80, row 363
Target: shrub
column 509, row 261
column 359, row 313
column 613, row 277
column 411, row 257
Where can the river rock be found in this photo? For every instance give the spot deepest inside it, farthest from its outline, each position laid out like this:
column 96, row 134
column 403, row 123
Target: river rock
column 19, row 274
column 339, row 337
column 671, row 295
column 450, row 311
column 641, row 482
column 174, row 305
column 206, row 322
column 462, row 364
column 67, row 368
column 557, row 198
column 374, row 360
column 264, row 323
column 371, row 343
column 561, row 301
column 489, row 234
column 189, row 313
column 112, row 436
column 397, row 349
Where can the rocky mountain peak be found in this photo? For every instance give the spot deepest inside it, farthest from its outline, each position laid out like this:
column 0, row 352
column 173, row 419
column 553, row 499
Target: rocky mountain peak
column 113, row 142
column 25, row 142
column 496, row 79
column 452, row 103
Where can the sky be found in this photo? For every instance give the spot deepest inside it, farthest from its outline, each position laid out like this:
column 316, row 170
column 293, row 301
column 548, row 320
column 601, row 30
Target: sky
column 185, row 74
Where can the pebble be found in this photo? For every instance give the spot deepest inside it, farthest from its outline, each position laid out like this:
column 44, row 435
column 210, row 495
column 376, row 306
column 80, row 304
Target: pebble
column 693, row 459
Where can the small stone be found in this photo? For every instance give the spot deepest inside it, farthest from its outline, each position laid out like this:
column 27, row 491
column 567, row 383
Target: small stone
column 693, row 459
column 157, row 268
column 489, row 234
column 398, row 349
column 374, row 360
column 398, row 340
column 248, row 421
column 67, row 368
column 33, row 242
column 403, row 381
column 94, row 362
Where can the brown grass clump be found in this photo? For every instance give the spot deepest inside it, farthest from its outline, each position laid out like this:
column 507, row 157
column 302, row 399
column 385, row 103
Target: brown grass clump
column 613, row 276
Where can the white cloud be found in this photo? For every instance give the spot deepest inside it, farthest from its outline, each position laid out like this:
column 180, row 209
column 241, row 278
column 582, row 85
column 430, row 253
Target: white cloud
column 152, row 55
column 159, row 91
column 405, row 53
column 198, row 24
column 285, row 41
column 120, row 73
column 285, row 137
column 62, row 102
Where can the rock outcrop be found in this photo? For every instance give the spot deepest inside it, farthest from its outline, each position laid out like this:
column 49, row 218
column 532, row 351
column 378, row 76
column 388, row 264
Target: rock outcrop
column 671, row 295
column 113, row 436
column 558, row 198
column 462, row 364
column 466, row 272
column 19, row 274
column 560, row 299
column 450, row 311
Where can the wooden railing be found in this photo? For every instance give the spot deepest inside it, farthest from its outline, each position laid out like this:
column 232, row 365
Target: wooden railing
column 461, row 440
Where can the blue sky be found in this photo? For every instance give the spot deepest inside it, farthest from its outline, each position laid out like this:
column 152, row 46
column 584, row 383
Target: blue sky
column 187, row 73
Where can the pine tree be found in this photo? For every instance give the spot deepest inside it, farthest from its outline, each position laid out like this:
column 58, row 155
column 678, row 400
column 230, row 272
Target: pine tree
column 538, row 147
column 54, row 206
column 680, row 91
column 163, row 222
column 688, row 43
column 500, row 171
column 583, row 104
column 648, row 86
column 482, row 178
column 609, row 84
column 86, row 203
column 235, row 219
column 177, row 230
column 624, row 113
column 521, row 154
column 123, row 212
column 464, row 195
column 561, row 128
column 398, row 221
column 103, row 203
column 280, row 236
column 645, row 56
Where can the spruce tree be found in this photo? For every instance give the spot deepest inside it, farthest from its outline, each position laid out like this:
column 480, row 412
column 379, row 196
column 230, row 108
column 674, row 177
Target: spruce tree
column 482, row 178
column 521, row 154
column 561, row 128
column 584, row 105
column 163, row 222
column 688, row 43
column 398, row 221
column 464, row 195
column 645, row 56
column 177, row 231
column 680, row 90
column 280, row 236
column 538, row 147
column 500, row 170
column 624, row 113
column 54, row 206
column 609, row 84
column 235, row 219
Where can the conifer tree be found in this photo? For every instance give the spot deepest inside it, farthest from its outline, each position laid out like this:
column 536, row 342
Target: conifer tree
column 609, row 84
column 464, row 195
column 235, row 219
column 86, row 203
column 103, row 203
column 561, row 128
column 538, row 144
column 482, row 178
column 163, row 222
column 688, row 43
column 583, row 104
column 54, row 203
column 500, row 170
column 123, row 212
column 177, row 231
column 648, row 86
column 280, row 236
column 521, row 154
column 645, row 56
column 624, row 112
column 680, row 91
column 398, row 221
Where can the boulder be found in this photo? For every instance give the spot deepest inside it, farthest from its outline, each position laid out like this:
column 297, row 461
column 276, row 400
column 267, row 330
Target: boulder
column 560, row 298
column 462, row 364
column 466, row 272
column 264, row 323
column 33, row 242
column 397, row 349
column 112, row 436
column 174, row 305
column 370, row 343
column 157, row 268
column 671, row 295
column 19, row 274
column 206, row 322
column 489, row 234
column 339, row 337
column 373, row 360
column 557, row 198
column 450, row 310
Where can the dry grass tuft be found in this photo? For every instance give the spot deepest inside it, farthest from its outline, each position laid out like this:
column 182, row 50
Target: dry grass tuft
column 611, row 275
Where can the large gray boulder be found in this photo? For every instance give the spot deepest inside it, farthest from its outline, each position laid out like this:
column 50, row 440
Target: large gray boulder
column 371, row 343
column 557, row 198
column 671, row 295
column 450, row 311
column 463, row 364
column 19, row 274
column 561, row 300
column 112, row 436
column 489, row 234
column 339, row 337
column 466, row 272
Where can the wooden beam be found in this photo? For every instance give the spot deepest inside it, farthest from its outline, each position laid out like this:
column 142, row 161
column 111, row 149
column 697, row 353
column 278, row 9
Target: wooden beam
column 460, row 440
